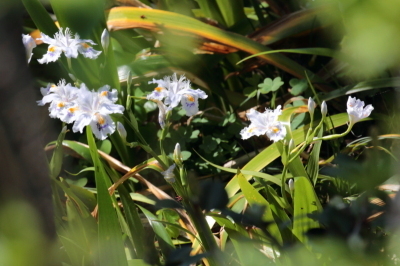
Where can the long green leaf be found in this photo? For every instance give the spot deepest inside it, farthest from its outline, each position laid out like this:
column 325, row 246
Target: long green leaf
column 288, row 25
column 111, row 247
column 312, row 51
column 248, row 254
column 305, row 202
column 129, row 17
column 362, row 86
column 253, row 197
column 40, row 16
column 164, row 240
column 232, row 11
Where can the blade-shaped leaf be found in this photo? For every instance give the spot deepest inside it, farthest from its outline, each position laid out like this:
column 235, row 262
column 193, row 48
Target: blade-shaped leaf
column 111, row 247
column 305, row 202
column 156, row 20
column 254, row 197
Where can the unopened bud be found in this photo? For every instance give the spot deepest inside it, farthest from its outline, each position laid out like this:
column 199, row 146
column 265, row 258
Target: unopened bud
column 178, row 155
column 311, row 106
column 291, row 185
column 72, row 77
column 169, row 174
column 324, row 109
column 105, row 40
column 162, row 113
column 121, row 130
column 29, row 44
column 129, row 79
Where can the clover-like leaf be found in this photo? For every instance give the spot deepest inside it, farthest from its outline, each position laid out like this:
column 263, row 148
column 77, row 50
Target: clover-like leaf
column 270, row 85
column 298, row 86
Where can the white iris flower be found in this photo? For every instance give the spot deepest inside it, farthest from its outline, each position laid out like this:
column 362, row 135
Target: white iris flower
column 356, row 110
column 265, row 123
column 164, row 86
column 173, row 91
column 61, row 98
column 29, row 44
column 64, row 42
column 82, row 106
column 94, row 109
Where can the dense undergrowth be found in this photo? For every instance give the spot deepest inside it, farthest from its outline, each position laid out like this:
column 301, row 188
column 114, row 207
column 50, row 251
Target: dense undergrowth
column 219, row 132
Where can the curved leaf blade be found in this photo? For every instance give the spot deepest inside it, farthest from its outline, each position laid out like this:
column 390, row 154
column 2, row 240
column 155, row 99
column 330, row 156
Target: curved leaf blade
column 151, row 19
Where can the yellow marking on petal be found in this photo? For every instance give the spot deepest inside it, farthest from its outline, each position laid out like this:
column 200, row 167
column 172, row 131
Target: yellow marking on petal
column 100, row 119
column 190, row 98
column 60, row 104
column 72, row 109
column 275, row 129
column 85, row 45
column 104, row 93
column 52, row 49
column 53, row 85
column 159, row 89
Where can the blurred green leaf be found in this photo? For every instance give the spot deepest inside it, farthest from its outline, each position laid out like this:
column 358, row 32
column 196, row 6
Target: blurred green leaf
column 104, row 145
column 164, row 240
column 298, row 86
column 56, row 159
column 137, row 262
column 130, row 17
column 40, row 16
column 305, row 202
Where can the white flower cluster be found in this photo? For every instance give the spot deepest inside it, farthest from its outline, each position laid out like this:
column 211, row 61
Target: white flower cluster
column 173, row 91
column 83, row 107
column 265, row 123
column 63, row 42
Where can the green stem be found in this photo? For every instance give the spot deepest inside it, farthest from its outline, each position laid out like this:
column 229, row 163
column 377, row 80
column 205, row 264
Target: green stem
column 336, row 136
column 207, row 238
column 283, row 186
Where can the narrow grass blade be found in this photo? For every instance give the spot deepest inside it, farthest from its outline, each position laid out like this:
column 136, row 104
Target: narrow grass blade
column 111, row 247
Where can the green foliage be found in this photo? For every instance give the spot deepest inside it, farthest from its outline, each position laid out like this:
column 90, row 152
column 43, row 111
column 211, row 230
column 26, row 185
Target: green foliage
column 271, row 203
column 270, row 85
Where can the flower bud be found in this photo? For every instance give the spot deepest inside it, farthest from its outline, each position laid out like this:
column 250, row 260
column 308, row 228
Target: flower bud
column 291, row 185
column 324, row 109
column 129, row 79
column 162, row 113
column 121, row 130
column 29, row 44
column 169, row 174
column 178, row 155
column 311, row 106
column 105, row 40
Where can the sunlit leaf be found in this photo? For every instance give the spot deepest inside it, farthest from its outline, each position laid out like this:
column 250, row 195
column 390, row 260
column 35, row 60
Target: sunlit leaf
column 305, row 202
